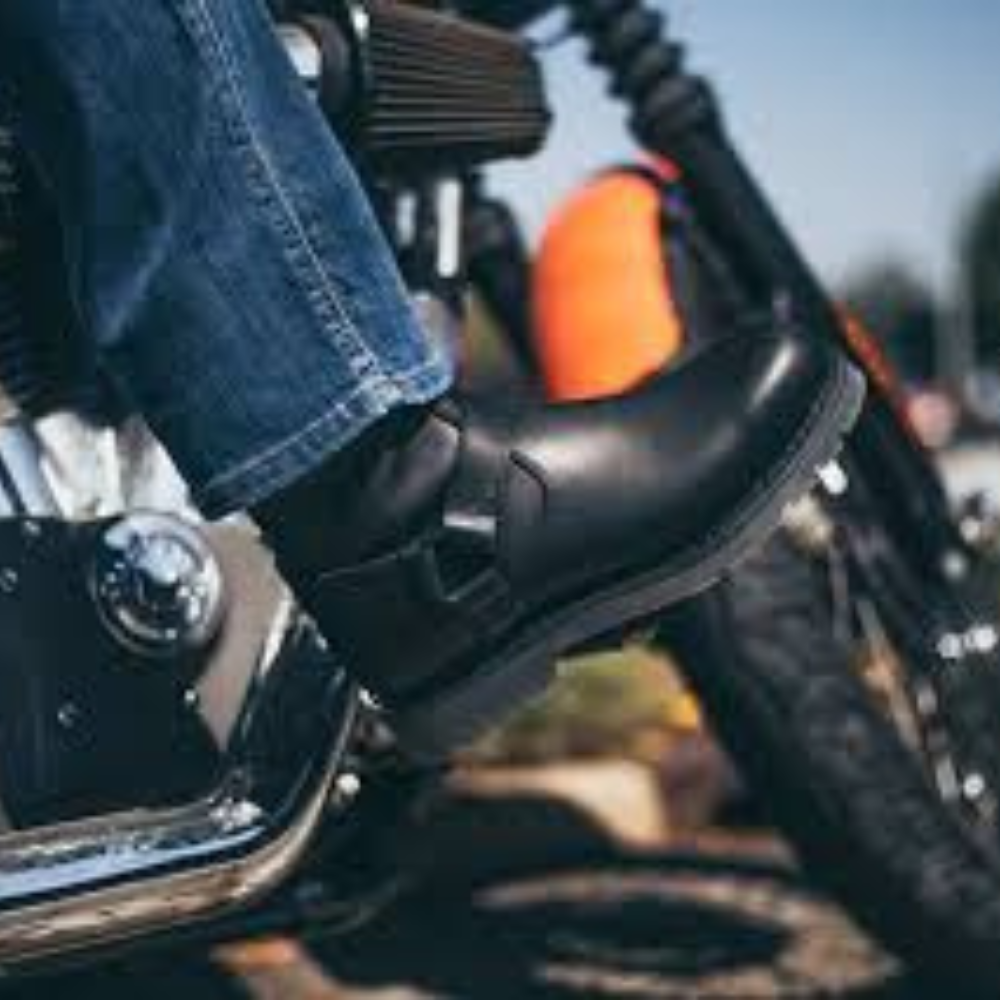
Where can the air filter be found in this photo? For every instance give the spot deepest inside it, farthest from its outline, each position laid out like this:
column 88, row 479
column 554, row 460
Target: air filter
column 443, row 92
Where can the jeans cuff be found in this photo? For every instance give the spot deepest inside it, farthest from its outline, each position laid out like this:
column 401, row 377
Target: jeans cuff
column 275, row 467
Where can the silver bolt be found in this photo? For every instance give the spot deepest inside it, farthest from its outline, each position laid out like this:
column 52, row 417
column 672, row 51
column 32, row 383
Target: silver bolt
column 973, row 786
column 369, row 701
column 9, row 580
column 348, row 786
column 833, row 479
column 951, row 646
column 984, row 638
column 955, row 566
column 68, row 715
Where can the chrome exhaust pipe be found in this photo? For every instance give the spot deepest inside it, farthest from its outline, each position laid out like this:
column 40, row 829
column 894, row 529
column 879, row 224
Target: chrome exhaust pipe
column 102, row 881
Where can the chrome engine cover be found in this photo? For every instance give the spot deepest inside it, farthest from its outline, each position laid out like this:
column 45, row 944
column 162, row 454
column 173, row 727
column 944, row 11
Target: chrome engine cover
column 154, row 797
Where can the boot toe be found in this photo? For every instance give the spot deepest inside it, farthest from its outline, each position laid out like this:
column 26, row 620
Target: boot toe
column 754, row 406
column 669, row 466
column 562, row 525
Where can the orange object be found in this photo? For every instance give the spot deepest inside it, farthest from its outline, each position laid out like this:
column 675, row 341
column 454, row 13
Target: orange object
column 870, row 355
column 867, row 351
column 604, row 314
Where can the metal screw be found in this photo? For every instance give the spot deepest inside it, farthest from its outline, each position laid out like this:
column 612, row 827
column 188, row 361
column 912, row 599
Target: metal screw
column 347, row 787
column 9, row 580
column 973, row 786
column 984, row 638
column 833, row 479
column 368, row 701
column 955, row 566
column 951, row 646
column 68, row 715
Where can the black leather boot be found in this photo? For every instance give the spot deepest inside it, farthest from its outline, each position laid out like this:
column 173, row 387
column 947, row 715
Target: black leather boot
column 498, row 540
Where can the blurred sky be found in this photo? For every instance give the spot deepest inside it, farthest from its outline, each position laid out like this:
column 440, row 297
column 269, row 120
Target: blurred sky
column 871, row 121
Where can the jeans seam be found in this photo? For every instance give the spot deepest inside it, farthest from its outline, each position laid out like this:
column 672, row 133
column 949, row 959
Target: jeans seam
column 293, row 235
column 384, row 393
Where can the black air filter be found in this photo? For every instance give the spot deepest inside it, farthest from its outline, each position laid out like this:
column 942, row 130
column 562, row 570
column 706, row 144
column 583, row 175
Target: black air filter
column 444, row 92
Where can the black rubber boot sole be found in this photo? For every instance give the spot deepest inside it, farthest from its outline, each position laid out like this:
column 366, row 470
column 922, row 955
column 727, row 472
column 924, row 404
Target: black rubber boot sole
column 521, row 670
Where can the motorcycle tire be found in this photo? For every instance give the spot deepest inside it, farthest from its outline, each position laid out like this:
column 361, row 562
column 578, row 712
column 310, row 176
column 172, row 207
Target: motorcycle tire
column 783, row 692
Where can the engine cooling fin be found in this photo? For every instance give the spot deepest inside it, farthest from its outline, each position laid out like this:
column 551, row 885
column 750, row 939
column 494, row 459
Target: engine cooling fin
column 446, row 91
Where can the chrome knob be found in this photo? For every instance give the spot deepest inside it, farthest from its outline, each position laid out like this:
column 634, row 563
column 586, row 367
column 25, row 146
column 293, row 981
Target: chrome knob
column 158, row 585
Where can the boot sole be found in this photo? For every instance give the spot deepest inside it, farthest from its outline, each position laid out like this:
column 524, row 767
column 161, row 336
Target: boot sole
column 521, row 671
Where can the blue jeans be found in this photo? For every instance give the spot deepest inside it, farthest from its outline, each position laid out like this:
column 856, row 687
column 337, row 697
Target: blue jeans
column 219, row 249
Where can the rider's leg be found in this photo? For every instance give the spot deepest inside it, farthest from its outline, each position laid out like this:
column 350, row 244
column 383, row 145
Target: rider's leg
column 220, row 250
column 235, row 284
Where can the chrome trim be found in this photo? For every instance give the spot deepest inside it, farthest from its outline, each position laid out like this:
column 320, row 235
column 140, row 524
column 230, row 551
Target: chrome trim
column 304, row 53
column 24, row 488
column 449, row 200
column 356, row 20
column 92, row 883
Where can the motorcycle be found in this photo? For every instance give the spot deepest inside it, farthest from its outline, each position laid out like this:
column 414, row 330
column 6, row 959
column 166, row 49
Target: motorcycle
column 279, row 801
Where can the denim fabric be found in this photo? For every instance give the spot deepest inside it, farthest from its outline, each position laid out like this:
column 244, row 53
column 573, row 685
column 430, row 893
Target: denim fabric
column 219, row 248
